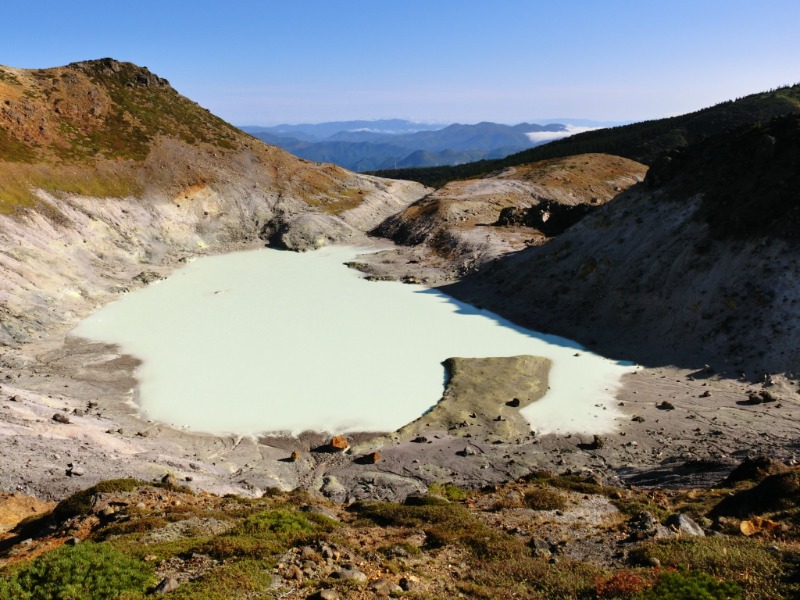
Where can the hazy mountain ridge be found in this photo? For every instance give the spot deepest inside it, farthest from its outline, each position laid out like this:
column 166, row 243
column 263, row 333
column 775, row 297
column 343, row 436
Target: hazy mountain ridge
column 359, row 147
column 642, row 142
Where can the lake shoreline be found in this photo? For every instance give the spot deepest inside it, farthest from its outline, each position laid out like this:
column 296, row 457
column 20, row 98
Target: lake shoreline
column 711, row 427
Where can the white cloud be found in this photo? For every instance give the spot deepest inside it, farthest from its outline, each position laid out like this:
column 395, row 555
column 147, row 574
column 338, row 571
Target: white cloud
column 548, row 136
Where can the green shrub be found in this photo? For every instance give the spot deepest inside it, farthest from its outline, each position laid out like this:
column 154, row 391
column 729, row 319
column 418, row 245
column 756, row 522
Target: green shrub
column 691, row 585
column 88, row 570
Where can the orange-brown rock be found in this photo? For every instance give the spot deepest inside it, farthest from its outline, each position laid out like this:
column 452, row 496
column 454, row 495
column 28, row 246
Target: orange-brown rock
column 372, row 458
column 339, row 442
column 295, row 456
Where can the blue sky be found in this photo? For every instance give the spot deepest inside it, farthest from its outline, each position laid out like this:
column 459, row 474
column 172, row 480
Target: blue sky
column 268, row 62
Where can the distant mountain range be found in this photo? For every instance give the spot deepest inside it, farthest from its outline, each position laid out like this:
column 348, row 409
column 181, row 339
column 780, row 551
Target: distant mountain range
column 397, row 143
column 642, row 142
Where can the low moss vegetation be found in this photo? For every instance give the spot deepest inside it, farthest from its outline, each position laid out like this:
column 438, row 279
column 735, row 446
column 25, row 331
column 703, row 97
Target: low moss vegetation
column 87, row 570
column 456, row 542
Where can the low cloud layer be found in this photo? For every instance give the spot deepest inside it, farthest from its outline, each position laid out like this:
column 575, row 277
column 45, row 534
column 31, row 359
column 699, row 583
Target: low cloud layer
column 548, row 136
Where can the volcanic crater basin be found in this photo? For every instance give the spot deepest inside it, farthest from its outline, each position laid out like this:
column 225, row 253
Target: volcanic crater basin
column 266, row 341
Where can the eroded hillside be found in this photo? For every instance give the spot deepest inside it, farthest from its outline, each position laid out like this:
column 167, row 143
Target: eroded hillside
column 106, row 171
column 466, row 224
column 697, row 265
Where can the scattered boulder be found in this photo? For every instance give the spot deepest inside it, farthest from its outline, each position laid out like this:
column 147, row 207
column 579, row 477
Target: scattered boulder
column 513, row 403
column 753, row 469
column 540, row 548
column 169, row 479
column 339, row 443
column 75, row 470
column 147, row 277
column 333, row 489
column 774, row 493
column 684, row 525
column 645, row 526
column 760, row 397
column 384, row 587
column 410, row 583
column 371, row 458
column 61, row 418
column 665, row 406
column 294, row 456
column 637, row 419
column 168, row 584
column 326, row 595
column 351, row 575
column 758, row 525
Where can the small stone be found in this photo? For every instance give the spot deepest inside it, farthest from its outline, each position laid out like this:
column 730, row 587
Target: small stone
column 684, row 525
column 513, row 403
column 384, row 587
column 73, row 541
column 705, row 394
column 308, row 552
column 169, row 479
column 372, row 458
column 420, row 439
column 76, row 471
column 638, row 419
column 410, row 583
column 327, row 595
column 339, row 442
column 295, row 456
column 14, row 399
column 295, row 573
column 665, row 406
column 61, row 418
column 468, row 451
column 168, row 584
column 352, row 575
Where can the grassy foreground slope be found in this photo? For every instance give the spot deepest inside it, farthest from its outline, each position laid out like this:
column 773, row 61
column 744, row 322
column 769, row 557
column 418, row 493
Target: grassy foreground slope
column 641, row 142
column 541, row 537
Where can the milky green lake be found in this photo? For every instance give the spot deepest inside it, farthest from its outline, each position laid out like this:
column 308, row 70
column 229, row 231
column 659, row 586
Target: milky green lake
column 266, row 341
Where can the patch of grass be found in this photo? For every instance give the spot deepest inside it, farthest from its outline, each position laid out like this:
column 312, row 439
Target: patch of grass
column 13, row 150
column 18, row 181
column 573, row 483
column 449, row 491
column 88, row 570
column 336, row 202
column 532, row 578
column 748, row 563
column 243, row 578
column 268, row 533
column 691, row 585
column 544, row 499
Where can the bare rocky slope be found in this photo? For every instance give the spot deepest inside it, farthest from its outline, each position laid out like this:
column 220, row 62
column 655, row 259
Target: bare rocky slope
column 696, row 265
column 466, row 224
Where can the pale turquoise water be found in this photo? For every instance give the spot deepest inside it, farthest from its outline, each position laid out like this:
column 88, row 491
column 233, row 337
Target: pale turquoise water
column 270, row 341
